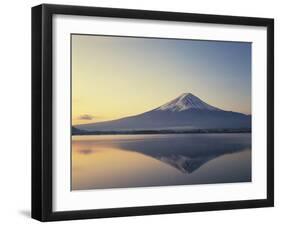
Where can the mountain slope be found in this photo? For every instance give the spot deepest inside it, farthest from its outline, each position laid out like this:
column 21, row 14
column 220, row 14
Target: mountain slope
column 76, row 131
column 185, row 112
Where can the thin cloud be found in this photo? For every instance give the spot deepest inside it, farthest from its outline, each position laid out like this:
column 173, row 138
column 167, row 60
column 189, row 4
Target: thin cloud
column 86, row 117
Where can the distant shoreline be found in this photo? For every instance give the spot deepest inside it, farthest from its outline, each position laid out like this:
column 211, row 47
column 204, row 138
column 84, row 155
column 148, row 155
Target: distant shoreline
column 143, row 132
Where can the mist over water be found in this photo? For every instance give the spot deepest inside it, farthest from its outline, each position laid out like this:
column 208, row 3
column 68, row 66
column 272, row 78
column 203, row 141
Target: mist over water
column 122, row 161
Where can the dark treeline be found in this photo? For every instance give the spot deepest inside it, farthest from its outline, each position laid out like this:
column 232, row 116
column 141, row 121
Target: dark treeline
column 83, row 132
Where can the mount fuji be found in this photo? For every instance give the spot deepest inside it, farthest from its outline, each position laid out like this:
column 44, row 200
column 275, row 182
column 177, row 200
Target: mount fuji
column 186, row 112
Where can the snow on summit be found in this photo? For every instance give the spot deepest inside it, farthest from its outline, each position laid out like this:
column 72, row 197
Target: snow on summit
column 187, row 101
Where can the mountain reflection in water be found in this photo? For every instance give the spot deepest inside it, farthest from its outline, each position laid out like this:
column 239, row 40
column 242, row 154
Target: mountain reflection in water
column 117, row 161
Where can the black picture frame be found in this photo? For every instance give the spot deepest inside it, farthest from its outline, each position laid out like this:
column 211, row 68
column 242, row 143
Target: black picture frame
column 42, row 107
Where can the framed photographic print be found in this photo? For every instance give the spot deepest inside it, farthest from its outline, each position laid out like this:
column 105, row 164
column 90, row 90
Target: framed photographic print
column 145, row 112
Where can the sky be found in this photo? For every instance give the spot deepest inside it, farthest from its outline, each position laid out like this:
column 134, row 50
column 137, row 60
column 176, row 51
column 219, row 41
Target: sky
column 114, row 77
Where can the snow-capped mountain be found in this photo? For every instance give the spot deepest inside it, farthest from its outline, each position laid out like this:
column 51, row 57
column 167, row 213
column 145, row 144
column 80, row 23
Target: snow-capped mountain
column 183, row 113
column 187, row 101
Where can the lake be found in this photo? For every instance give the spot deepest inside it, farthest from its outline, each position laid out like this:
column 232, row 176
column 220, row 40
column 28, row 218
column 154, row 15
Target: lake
column 122, row 161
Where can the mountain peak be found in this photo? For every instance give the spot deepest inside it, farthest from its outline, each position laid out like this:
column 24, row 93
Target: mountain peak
column 187, row 101
column 187, row 94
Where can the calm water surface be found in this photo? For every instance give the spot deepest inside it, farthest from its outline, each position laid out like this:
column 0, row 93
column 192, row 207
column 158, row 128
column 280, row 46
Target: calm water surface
column 118, row 161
